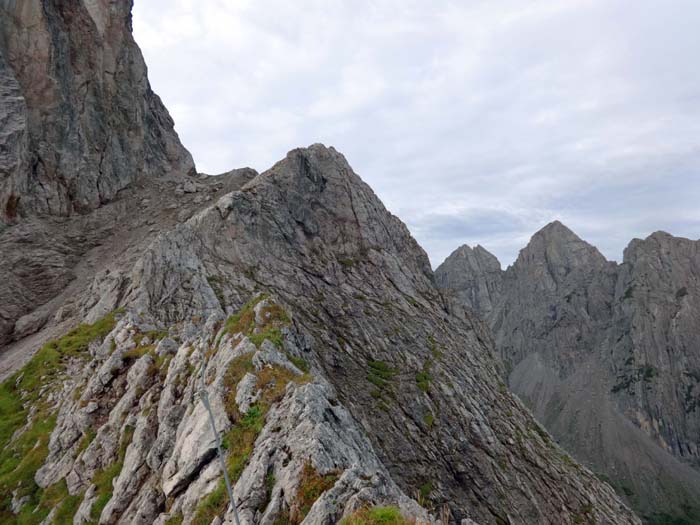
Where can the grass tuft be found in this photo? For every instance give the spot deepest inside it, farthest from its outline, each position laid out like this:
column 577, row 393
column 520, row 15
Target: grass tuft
column 274, row 318
column 22, row 457
column 376, row 516
column 311, row 486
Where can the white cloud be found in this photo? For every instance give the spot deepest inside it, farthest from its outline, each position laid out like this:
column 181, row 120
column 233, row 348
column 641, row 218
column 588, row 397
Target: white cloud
column 501, row 115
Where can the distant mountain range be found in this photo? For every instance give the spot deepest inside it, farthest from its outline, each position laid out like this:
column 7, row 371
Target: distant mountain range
column 606, row 355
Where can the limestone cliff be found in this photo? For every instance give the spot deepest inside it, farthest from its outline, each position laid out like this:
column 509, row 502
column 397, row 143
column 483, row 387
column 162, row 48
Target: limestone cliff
column 79, row 125
column 85, row 123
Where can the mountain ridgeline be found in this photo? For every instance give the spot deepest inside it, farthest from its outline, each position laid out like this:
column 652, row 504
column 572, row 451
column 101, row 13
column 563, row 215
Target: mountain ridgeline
column 344, row 386
column 606, row 355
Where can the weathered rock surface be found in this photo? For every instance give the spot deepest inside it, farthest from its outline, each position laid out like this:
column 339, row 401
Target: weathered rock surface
column 79, row 125
column 93, row 125
column 605, row 356
column 405, row 395
column 337, row 373
column 418, row 378
column 474, row 275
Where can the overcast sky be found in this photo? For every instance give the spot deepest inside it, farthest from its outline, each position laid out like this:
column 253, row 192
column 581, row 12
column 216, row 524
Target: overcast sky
column 475, row 122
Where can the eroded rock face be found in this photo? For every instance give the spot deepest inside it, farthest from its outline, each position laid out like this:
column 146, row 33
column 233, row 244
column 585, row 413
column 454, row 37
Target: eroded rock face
column 418, row 377
column 13, row 142
column 604, row 355
column 473, row 276
column 333, row 361
column 92, row 123
column 657, row 319
column 79, row 126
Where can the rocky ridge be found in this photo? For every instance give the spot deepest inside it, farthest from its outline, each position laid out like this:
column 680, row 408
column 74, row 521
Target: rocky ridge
column 343, row 383
column 604, row 355
column 415, row 380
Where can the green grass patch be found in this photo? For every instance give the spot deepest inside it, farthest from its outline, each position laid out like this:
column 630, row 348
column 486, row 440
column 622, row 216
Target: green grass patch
column 22, row 457
column 49, row 362
column 425, row 490
column 239, row 441
column 346, row 261
column 138, row 352
column 175, row 520
column 12, row 413
column 423, row 377
column 376, row 516
column 274, row 318
column 380, row 374
column 299, row 362
column 19, row 462
column 87, row 438
column 311, row 486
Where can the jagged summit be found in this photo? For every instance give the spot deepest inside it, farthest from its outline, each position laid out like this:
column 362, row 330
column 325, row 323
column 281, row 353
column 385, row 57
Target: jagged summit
column 659, row 241
column 560, row 250
column 602, row 354
column 471, row 275
column 556, row 229
column 319, row 192
column 467, row 252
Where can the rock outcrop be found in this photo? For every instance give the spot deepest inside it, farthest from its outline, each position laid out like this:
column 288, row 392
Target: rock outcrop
column 79, row 125
column 416, row 404
column 86, row 123
column 341, row 381
column 605, row 356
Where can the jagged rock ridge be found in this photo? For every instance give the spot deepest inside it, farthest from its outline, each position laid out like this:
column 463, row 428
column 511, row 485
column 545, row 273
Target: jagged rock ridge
column 418, row 380
column 604, row 354
column 338, row 374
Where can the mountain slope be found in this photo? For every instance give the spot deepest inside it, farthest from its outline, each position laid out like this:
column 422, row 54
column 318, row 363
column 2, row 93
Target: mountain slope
column 604, row 355
column 305, row 313
column 361, row 311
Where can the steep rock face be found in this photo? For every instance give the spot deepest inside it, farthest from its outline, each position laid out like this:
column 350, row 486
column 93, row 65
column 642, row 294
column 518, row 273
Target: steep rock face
column 79, row 125
column 93, row 124
column 420, row 380
column 657, row 320
column 13, row 142
column 559, row 296
column 608, row 372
